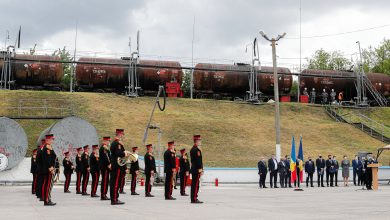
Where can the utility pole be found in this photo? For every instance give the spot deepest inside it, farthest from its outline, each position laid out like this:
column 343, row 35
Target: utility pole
column 300, row 51
column 276, row 90
column 362, row 92
column 73, row 74
column 192, row 60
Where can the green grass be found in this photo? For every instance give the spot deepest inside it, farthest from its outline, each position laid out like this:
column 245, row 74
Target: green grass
column 234, row 135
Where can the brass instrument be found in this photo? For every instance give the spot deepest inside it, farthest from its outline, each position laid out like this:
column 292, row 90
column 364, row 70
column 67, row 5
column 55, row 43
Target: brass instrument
column 131, row 158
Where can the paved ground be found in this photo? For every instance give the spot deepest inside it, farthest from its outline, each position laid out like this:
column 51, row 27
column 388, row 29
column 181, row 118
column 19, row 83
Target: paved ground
column 223, row 202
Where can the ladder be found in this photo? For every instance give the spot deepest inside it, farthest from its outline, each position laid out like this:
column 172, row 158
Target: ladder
column 379, row 98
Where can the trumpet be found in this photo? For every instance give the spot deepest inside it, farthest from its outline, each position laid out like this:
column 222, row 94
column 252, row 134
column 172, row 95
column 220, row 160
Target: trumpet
column 130, row 158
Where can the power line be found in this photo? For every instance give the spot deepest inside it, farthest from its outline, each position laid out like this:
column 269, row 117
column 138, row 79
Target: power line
column 340, row 33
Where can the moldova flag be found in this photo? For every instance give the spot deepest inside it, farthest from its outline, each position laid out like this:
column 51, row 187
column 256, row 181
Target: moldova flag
column 293, row 162
column 300, row 157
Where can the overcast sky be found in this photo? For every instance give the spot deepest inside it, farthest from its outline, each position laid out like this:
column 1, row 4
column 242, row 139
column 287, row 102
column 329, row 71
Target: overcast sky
column 222, row 27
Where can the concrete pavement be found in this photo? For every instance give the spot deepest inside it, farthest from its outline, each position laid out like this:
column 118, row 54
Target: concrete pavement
column 223, row 202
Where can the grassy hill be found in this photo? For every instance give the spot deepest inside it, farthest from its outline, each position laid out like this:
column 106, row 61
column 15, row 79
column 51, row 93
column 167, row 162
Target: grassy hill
column 234, row 135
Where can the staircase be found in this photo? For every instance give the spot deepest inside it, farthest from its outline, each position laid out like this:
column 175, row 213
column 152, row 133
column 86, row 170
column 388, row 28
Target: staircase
column 379, row 98
column 373, row 128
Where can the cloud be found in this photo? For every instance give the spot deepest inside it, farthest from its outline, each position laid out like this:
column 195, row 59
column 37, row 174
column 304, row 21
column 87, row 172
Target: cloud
column 222, row 27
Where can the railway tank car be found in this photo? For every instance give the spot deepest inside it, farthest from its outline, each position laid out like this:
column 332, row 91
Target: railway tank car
column 37, row 73
column 233, row 80
column 103, row 74
column 330, row 79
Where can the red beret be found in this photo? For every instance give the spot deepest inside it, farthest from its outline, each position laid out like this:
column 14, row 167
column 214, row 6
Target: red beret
column 171, row 143
column 106, row 138
column 182, row 150
column 197, row 137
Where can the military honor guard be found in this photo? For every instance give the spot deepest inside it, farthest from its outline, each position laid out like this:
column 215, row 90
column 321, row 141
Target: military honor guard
column 117, row 150
column 95, row 169
column 105, row 167
column 33, row 171
column 39, row 170
column 86, row 170
column 150, row 170
column 134, row 171
column 79, row 169
column 48, row 170
column 196, row 168
column 68, row 171
column 184, row 171
column 170, row 170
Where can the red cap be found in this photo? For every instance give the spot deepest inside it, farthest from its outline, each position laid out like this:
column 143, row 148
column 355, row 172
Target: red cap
column 182, row 151
column 134, row 148
column 120, row 131
column 149, row 146
column 86, row 147
column 197, row 137
column 171, row 143
column 79, row 148
column 106, row 138
column 66, row 153
column 95, row 146
column 34, row 151
column 49, row 136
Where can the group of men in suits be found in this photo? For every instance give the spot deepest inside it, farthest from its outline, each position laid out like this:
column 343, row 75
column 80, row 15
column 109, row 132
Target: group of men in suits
column 328, row 168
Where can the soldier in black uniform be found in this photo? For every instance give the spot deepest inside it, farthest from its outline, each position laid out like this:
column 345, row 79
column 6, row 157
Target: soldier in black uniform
column 170, row 170
column 117, row 150
column 95, row 170
column 184, row 171
column 134, row 170
column 33, row 171
column 39, row 170
column 150, row 170
column 86, row 170
column 105, row 167
column 79, row 169
column 196, row 168
column 68, row 171
column 48, row 169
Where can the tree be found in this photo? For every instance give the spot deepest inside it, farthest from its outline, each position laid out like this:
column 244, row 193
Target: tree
column 377, row 59
column 294, row 88
column 185, row 85
column 324, row 60
column 65, row 55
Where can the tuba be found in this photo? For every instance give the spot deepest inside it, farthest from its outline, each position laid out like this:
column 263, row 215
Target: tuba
column 131, row 158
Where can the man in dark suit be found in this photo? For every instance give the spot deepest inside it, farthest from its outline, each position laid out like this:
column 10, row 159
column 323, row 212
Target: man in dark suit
column 368, row 173
column 336, row 170
column 282, row 169
column 309, row 169
column 288, row 175
column 355, row 163
column 262, row 166
column 329, row 171
column 273, row 171
column 320, row 164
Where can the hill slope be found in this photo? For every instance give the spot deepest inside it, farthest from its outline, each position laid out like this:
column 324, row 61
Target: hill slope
column 234, row 135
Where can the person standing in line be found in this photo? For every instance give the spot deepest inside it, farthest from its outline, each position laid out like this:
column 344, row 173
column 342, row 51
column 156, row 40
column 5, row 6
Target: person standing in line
column 68, row 171
column 94, row 161
column 170, row 170
column 320, row 164
column 336, row 170
column 262, row 166
column 105, row 167
column 150, row 170
column 273, row 171
column 134, row 170
column 355, row 163
column 345, row 170
column 309, row 169
column 282, row 169
column 85, row 171
column 33, row 171
column 196, row 168
column 184, row 171
column 288, row 176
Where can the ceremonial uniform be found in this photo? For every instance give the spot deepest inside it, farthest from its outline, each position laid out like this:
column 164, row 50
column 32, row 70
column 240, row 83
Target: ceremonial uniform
column 150, row 167
column 85, row 171
column 79, row 171
column 95, row 170
column 39, row 170
column 169, row 167
column 184, row 172
column 48, row 171
column 196, row 170
column 33, row 171
column 117, row 150
column 68, row 171
column 105, row 167
column 134, row 168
